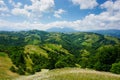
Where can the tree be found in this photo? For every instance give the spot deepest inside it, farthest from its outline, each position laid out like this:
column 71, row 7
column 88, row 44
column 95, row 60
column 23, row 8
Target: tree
column 39, row 62
column 65, row 61
column 84, row 59
column 61, row 64
column 106, row 56
column 115, row 68
column 13, row 69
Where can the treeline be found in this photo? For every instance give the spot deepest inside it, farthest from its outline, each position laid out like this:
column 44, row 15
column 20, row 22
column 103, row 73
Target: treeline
column 106, row 58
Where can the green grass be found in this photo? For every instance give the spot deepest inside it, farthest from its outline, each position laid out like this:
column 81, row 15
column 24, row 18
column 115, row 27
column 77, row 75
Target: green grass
column 71, row 74
column 2, row 54
column 55, row 47
column 5, row 64
column 33, row 49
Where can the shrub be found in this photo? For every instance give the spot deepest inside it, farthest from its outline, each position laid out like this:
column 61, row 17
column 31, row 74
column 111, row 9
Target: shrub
column 115, row 68
column 21, row 71
column 61, row 64
column 12, row 68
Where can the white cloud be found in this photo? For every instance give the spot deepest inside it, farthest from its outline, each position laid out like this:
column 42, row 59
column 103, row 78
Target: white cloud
column 90, row 22
column 111, row 6
column 15, row 5
column 3, row 7
column 40, row 5
column 58, row 13
column 33, row 11
column 4, row 15
column 10, row 1
column 85, row 4
column 7, row 25
column 18, row 11
column 108, row 5
column 109, row 19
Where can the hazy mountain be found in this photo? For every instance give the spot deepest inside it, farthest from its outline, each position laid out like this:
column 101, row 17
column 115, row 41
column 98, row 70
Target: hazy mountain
column 63, row 30
column 111, row 32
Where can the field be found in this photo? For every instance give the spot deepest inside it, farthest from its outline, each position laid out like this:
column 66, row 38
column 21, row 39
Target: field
column 71, row 74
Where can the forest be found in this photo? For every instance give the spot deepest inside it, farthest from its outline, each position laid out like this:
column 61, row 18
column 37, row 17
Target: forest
column 31, row 51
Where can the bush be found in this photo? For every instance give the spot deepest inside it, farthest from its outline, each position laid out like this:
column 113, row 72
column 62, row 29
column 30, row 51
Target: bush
column 115, row 68
column 21, row 71
column 30, row 71
column 61, row 64
column 37, row 68
column 102, row 67
column 12, row 68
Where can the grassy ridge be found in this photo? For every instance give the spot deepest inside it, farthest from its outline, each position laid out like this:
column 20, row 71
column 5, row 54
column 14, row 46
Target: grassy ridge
column 5, row 64
column 71, row 74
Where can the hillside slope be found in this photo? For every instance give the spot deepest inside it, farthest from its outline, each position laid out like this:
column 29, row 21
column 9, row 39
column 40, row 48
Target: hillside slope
column 5, row 64
column 71, row 74
column 31, row 51
column 71, row 42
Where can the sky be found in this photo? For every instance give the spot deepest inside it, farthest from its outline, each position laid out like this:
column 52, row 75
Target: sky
column 82, row 15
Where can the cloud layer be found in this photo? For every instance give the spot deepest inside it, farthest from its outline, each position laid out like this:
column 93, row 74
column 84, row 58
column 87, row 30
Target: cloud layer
column 36, row 9
column 85, row 4
column 3, row 7
column 58, row 13
column 107, row 19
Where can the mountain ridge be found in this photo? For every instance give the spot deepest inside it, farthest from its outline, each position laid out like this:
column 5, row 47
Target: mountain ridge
column 31, row 51
column 109, row 32
column 62, row 30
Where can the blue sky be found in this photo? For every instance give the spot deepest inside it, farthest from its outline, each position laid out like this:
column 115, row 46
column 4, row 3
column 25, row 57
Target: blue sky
column 44, row 14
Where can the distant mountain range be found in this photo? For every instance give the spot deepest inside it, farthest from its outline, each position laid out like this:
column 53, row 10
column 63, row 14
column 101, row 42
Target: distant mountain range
column 62, row 30
column 110, row 32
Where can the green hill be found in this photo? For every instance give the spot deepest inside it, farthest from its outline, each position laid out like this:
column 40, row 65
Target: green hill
column 31, row 51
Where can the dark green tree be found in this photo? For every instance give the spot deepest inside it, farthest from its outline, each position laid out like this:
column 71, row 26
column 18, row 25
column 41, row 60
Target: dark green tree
column 115, row 68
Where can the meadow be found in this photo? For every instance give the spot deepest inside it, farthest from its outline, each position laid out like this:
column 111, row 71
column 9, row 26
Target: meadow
column 71, row 74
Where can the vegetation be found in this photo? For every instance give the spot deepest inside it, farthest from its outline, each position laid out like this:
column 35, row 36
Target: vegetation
column 31, row 51
column 71, row 74
column 115, row 68
column 5, row 64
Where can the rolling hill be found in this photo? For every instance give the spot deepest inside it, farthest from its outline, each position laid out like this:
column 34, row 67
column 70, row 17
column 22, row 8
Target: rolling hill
column 32, row 51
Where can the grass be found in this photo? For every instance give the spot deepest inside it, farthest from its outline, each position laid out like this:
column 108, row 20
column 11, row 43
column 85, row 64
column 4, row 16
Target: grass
column 55, row 47
column 71, row 74
column 2, row 54
column 5, row 64
column 33, row 49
